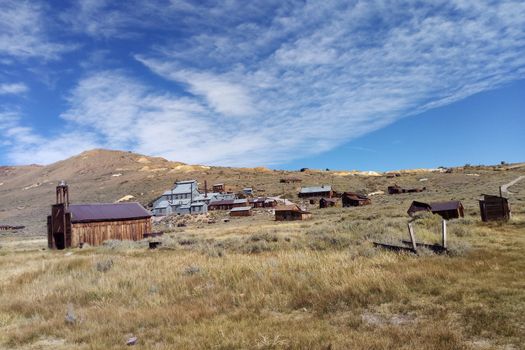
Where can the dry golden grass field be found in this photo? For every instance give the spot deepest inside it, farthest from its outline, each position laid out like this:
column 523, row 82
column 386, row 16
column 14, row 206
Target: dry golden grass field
column 253, row 283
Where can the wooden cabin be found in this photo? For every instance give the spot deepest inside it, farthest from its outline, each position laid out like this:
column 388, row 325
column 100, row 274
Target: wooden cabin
column 241, row 211
column 219, row 188
column 323, row 191
column 262, row 202
column 494, row 208
column 327, row 203
column 290, row 180
column 397, row 189
column 70, row 226
column 447, row 210
column 351, row 199
column 291, row 212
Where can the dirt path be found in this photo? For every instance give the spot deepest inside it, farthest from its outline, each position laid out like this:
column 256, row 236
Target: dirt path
column 505, row 187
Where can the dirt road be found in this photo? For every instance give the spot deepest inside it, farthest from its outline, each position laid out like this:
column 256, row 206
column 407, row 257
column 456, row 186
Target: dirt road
column 505, row 187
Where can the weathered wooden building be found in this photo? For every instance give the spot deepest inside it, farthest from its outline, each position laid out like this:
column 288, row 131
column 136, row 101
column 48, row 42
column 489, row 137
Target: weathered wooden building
column 447, row 210
column 262, row 202
column 291, row 212
column 220, row 188
column 241, row 211
column 397, row 189
column 327, row 202
column 290, row 180
column 71, row 225
column 494, row 208
column 228, row 204
column 323, row 191
column 351, row 199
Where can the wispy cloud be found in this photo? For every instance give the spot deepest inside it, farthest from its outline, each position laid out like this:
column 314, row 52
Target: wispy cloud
column 248, row 84
column 27, row 146
column 13, row 88
column 23, row 32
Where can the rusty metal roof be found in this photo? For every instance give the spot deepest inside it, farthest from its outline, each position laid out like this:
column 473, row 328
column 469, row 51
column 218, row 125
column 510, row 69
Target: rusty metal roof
column 443, row 206
column 107, row 212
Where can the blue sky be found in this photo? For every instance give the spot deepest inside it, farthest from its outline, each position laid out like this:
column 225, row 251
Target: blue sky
column 327, row 84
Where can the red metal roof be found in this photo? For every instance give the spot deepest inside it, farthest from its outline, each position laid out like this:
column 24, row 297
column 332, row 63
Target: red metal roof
column 107, row 212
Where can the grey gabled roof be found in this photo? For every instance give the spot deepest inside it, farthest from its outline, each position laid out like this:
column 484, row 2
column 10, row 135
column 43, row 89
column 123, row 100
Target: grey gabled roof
column 241, row 208
column 316, row 189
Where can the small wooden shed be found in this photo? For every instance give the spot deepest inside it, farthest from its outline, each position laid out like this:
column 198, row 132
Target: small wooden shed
column 70, row 226
column 350, row 199
column 494, row 208
column 398, row 189
column 291, row 212
column 327, row 202
column 219, row 188
column 447, row 210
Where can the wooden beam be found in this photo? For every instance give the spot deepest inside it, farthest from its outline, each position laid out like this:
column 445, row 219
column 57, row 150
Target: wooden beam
column 444, row 234
column 412, row 238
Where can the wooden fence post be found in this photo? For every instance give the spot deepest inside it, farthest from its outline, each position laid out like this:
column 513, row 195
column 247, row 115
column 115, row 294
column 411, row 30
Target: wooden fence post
column 412, row 238
column 444, row 233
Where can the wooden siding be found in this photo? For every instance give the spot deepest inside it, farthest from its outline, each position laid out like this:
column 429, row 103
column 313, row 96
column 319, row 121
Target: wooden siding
column 290, row 215
column 95, row 233
column 494, row 208
column 241, row 213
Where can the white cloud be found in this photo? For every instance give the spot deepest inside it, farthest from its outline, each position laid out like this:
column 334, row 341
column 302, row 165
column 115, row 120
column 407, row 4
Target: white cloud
column 223, row 96
column 262, row 84
column 13, row 89
column 27, row 146
column 23, row 32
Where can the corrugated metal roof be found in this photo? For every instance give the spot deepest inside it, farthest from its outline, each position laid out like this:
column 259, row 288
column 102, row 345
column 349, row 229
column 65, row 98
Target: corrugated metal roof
column 107, row 212
column 222, row 202
column 241, row 209
column 239, row 201
column 316, row 189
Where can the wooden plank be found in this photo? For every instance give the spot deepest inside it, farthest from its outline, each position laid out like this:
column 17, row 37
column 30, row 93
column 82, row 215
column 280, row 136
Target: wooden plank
column 444, row 234
column 392, row 247
column 412, row 238
column 436, row 248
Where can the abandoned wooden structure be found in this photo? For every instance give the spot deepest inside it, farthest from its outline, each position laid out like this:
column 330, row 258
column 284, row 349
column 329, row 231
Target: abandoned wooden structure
column 219, row 188
column 494, row 208
column 290, row 180
column 9, row 227
column 241, row 211
column 72, row 225
column 228, row 204
column 411, row 245
column 316, row 192
column 327, row 202
column 398, row 189
column 350, row 199
column 262, row 202
column 291, row 212
column 447, row 210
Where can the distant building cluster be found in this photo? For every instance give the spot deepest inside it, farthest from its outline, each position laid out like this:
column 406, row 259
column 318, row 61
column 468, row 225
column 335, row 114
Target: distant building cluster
column 185, row 198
